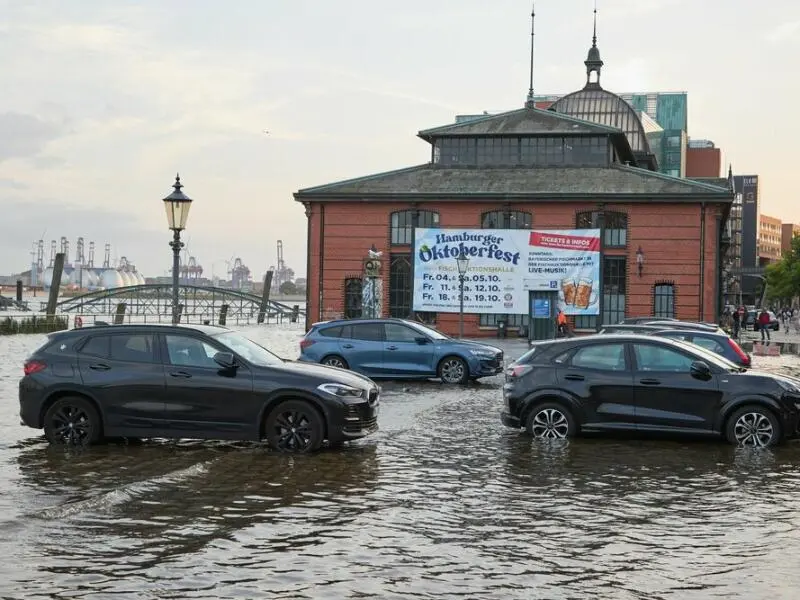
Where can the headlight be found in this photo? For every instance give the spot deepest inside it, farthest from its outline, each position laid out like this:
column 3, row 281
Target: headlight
column 341, row 390
column 482, row 353
column 789, row 386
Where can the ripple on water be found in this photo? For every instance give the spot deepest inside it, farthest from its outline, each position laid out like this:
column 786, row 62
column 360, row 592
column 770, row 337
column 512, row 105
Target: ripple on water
column 442, row 503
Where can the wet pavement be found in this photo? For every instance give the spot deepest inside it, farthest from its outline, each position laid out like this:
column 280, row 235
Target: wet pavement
column 442, row 503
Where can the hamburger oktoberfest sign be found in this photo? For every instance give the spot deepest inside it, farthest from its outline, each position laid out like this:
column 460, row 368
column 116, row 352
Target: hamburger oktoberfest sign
column 504, row 265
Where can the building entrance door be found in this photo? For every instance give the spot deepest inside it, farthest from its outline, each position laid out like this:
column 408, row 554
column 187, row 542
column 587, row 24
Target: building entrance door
column 543, row 306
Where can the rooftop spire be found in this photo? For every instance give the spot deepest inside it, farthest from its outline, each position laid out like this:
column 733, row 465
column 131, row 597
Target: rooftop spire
column 530, row 102
column 593, row 61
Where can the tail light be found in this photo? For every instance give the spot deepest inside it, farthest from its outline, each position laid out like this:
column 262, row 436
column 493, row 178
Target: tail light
column 34, row 366
column 739, row 352
column 515, row 371
column 305, row 343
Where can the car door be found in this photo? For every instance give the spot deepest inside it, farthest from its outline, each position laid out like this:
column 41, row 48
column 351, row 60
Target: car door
column 363, row 350
column 667, row 395
column 205, row 400
column 403, row 352
column 599, row 376
column 123, row 371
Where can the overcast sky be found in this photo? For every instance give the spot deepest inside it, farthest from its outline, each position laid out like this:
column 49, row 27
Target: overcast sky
column 102, row 102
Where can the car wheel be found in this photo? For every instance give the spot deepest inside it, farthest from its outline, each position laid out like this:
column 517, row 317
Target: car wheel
column 753, row 426
column 72, row 421
column 294, row 426
column 551, row 421
column 453, row 370
column 335, row 361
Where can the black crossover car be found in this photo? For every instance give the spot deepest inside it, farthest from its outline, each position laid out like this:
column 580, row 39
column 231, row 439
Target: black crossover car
column 646, row 384
column 203, row 382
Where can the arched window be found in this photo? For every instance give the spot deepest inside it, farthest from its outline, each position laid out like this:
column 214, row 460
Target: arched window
column 512, row 219
column 616, row 226
column 352, row 298
column 664, row 300
column 400, row 286
column 401, row 225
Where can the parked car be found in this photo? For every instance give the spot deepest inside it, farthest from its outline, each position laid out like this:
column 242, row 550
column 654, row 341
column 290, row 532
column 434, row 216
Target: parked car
column 398, row 349
column 632, row 329
column 718, row 343
column 694, row 325
column 159, row 381
column 643, row 320
column 752, row 320
column 561, row 388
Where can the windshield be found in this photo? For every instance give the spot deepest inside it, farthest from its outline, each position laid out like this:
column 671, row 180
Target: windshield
column 709, row 356
column 432, row 333
column 248, row 349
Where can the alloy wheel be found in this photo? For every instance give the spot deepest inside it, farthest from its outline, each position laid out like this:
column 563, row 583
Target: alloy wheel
column 753, row 429
column 453, row 370
column 72, row 425
column 294, row 431
column 550, row 423
column 334, row 361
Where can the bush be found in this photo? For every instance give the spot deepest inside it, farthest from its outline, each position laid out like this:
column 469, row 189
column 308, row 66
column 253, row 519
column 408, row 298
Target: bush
column 16, row 325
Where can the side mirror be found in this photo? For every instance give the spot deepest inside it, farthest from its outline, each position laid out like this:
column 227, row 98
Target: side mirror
column 422, row 340
column 225, row 360
column 700, row 370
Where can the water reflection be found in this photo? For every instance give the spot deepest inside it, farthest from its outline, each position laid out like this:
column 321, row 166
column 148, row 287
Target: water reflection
column 134, row 509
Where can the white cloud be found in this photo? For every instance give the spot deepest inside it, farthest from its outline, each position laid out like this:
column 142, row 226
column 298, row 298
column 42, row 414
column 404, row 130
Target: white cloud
column 784, row 32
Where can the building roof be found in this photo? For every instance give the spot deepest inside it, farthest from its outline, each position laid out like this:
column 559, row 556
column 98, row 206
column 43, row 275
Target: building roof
column 525, row 121
column 600, row 106
column 722, row 182
column 617, row 183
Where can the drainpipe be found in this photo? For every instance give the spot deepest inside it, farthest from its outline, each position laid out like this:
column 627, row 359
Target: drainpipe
column 601, row 222
column 309, row 212
column 702, row 311
column 321, row 258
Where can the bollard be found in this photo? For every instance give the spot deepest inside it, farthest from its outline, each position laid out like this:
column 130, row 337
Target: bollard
column 295, row 313
column 19, row 291
column 501, row 329
column 223, row 314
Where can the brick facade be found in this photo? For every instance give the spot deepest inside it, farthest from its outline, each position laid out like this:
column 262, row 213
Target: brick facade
column 340, row 233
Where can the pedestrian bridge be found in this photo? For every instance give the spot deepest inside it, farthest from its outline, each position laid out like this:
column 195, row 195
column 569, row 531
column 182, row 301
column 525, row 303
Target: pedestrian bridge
column 155, row 300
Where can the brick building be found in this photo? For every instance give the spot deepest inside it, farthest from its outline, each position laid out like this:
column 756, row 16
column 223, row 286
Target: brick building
column 703, row 159
column 788, row 232
column 584, row 163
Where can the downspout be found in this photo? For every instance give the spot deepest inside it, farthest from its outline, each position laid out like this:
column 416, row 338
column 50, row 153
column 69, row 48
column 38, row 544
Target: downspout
column 308, row 264
column 321, row 257
column 601, row 221
column 414, row 225
column 719, row 304
column 702, row 311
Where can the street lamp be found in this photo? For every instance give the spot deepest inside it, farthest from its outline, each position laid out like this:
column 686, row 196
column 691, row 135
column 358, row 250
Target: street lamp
column 463, row 264
column 177, row 205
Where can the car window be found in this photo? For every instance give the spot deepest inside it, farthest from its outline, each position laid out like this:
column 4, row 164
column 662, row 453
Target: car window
column 658, row 358
column 333, row 332
column 400, row 333
column 123, row 347
column 99, row 346
column 603, row 357
column 372, row 332
column 708, row 344
column 187, row 351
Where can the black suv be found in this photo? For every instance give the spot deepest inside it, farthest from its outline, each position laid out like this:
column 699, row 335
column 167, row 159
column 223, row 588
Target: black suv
column 201, row 382
column 646, row 384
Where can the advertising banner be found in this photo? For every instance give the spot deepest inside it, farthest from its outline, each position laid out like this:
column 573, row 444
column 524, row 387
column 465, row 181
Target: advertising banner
column 504, row 265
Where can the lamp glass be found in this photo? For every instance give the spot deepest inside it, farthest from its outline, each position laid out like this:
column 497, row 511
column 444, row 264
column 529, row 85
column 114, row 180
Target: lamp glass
column 463, row 263
column 177, row 212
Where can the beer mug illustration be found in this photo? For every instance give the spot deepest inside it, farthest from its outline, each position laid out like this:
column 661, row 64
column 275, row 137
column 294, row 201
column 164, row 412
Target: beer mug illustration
column 568, row 291
column 583, row 294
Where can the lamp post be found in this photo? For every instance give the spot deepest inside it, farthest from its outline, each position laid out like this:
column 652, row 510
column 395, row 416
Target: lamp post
column 177, row 205
column 463, row 264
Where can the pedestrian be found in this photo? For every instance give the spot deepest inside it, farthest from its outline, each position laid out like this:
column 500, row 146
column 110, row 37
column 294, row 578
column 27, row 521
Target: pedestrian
column 737, row 317
column 561, row 323
column 763, row 324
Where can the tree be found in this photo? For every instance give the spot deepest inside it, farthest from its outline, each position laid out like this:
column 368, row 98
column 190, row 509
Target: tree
column 783, row 277
column 288, row 288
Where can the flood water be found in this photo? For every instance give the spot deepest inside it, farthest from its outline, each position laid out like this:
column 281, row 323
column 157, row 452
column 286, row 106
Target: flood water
column 442, row 503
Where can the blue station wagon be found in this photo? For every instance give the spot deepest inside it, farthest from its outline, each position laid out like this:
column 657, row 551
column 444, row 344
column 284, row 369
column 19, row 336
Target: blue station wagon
column 398, row 349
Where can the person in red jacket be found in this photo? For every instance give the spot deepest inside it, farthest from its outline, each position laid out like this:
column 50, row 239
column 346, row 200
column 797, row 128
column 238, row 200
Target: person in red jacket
column 763, row 324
